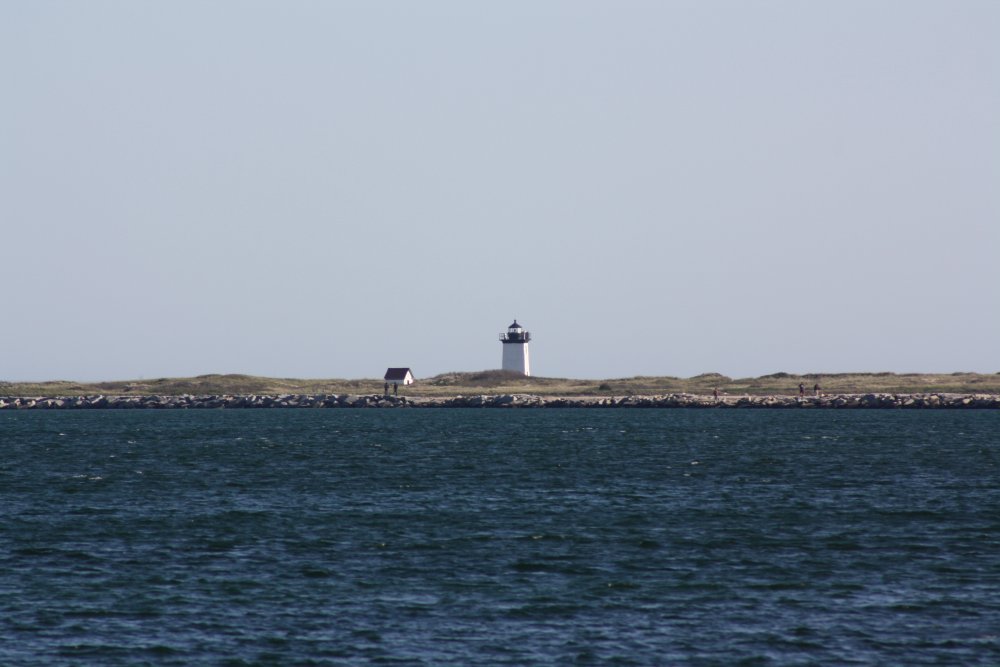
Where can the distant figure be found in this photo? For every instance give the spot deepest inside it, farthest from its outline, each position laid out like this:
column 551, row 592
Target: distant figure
column 395, row 389
column 386, row 388
column 715, row 393
column 816, row 389
column 802, row 389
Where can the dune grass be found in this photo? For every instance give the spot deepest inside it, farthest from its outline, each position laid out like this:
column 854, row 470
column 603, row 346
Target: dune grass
column 505, row 382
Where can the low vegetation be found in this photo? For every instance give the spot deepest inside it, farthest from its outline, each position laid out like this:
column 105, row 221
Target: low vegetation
column 506, row 382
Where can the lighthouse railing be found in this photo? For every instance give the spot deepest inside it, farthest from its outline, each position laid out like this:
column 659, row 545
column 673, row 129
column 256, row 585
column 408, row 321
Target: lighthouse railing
column 515, row 337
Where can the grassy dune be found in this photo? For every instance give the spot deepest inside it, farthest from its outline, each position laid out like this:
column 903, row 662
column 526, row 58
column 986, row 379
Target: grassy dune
column 502, row 382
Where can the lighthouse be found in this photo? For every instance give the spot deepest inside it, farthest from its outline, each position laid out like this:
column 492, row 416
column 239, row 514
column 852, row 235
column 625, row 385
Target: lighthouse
column 515, row 349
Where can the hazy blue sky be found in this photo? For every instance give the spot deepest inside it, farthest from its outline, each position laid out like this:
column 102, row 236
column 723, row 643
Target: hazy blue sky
column 324, row 189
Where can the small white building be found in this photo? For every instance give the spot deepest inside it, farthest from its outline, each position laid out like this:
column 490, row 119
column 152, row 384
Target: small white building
column 515, row 349
column 403, row 376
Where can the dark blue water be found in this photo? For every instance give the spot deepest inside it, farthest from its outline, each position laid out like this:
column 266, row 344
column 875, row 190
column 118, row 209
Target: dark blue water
column 466, row 537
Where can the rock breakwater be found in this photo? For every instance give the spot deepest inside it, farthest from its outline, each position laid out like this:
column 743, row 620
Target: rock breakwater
column 225, row 401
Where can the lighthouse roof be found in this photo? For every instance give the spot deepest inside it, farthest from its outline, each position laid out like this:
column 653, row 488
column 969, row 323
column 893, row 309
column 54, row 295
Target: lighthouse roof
column 515, row 325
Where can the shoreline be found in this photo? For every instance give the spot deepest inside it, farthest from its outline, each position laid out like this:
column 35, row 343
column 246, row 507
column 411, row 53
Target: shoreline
column 928, row 401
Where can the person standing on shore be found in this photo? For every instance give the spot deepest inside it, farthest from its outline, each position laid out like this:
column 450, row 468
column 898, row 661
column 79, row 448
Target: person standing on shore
column 386, row 389
column 395, row 389
column 715, row 393
column 802, row 390
column 816, row 389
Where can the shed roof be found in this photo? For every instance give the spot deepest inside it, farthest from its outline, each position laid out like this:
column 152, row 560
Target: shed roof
column 397, row 373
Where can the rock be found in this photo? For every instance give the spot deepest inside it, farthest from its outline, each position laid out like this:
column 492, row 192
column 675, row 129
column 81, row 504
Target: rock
column 507, row 401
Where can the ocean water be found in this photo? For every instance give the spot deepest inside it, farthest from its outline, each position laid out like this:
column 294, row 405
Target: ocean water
column 488, row 537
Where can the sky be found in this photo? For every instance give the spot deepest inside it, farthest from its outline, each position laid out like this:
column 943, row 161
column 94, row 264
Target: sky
column 325, row 189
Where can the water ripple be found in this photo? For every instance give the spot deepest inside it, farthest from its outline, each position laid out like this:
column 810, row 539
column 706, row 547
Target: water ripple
column 484, row 538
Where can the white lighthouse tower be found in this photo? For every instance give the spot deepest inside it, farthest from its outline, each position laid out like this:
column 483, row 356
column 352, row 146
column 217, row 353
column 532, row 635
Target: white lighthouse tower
column 515, row 349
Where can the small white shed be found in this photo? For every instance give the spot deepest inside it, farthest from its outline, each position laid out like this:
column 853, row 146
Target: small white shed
column 403, row 376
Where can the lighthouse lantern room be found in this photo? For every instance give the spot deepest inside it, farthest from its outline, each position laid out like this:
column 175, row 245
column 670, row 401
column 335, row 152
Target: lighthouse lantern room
column 515, row 349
